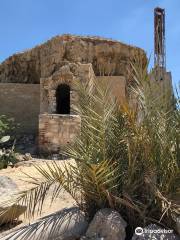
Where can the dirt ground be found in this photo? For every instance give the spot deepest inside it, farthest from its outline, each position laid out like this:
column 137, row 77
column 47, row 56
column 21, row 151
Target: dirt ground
column 17, row 174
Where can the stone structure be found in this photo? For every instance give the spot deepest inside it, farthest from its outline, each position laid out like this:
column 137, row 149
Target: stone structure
column 58, row 123
column 22, row 103
column 108, row 57
column 54, row 67
column 161, row 85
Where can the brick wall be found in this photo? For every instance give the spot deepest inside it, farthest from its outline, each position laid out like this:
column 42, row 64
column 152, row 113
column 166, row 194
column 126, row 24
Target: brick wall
column 56, row 131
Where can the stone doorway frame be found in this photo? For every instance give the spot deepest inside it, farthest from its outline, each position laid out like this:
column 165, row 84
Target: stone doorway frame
column 48, row 87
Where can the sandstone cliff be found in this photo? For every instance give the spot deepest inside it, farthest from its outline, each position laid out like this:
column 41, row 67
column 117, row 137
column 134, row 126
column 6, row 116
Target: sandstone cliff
column 108, row 57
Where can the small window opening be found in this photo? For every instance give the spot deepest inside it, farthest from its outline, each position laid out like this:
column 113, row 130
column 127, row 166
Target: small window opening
column 63, row 99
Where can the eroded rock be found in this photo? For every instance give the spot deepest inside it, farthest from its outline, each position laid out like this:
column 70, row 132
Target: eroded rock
column 108, row 57
column 7, row 191
column 178, row 224
column 107, row 224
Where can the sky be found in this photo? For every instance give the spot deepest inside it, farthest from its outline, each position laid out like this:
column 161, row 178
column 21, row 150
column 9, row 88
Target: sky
column 27, row 23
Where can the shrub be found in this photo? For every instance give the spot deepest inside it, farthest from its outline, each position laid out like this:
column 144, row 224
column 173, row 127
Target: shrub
column 5, row 125
column 7, row 156
column 126, row 157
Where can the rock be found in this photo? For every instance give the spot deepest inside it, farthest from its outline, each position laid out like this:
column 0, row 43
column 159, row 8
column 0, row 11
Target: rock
column 27, row 157
column 107, row 224
column 154, row 232
column 92, row 238
column 67, row 224
column 23, row 157
column 108, row 57
column 19, row 157
column 8, row 216
column 7, row 190
column 26, row 145
column 7, row 187
column 178, row 224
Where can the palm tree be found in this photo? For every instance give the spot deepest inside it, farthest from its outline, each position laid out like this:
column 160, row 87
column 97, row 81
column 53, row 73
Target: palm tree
column 126, row 157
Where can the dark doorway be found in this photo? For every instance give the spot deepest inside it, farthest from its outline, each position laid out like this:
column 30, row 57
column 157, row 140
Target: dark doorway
column 63, row 99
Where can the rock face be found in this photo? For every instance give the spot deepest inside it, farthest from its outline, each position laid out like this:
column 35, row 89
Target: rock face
column 154, row 232
column 68, row 224
column 107, row 224
column 7, row 189
column 7, row 186
column 108, row 57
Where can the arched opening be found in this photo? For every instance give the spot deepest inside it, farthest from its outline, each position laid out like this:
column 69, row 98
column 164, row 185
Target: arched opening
column 63, row 99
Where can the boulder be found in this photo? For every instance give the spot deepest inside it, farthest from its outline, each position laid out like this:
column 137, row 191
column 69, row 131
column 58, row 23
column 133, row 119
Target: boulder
column 154, row 232
column 67, row 224
column 178, row 224
column 107, row 224
column 7, row 186
column 7, row 191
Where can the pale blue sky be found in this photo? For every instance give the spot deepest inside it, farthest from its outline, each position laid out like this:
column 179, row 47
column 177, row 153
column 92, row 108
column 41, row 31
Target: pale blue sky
column 26, row 23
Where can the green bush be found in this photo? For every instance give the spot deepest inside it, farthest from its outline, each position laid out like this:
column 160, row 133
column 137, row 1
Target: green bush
column 141, row 141
column 5, row 125
column 7, row 156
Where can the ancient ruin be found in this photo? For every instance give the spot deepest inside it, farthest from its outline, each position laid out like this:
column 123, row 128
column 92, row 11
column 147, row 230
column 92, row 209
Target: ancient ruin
column 37, row 86
column 119, row 179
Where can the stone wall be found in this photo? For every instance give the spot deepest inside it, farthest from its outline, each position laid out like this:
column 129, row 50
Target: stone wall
column 69, row 74
column 21, row 102
column 161, row 86
column 64, row 59
column 117, row 85
column 56, row 131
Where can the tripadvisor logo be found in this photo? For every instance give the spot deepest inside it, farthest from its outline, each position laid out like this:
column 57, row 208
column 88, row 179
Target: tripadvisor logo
column 140, row 231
